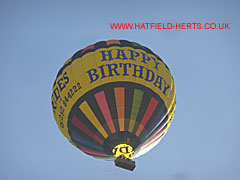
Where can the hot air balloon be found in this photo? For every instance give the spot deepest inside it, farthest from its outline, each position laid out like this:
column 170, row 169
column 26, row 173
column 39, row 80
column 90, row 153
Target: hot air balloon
column 114, row 100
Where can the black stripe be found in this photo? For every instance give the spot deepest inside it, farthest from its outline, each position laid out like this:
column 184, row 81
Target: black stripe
column 110, row 96
column 129, row 91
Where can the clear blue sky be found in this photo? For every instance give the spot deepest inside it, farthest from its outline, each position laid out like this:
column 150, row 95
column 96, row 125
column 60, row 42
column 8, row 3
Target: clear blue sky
column 36, row 37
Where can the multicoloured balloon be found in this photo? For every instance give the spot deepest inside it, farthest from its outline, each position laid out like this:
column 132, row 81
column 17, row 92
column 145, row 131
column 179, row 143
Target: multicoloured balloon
column 114, row 98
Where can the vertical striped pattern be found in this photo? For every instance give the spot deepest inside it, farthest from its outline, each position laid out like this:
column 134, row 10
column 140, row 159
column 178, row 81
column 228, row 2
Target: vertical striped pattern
column 76, row 122
column 119, row 96
column 151, row 107
column 102, row 103
column 137, row 99
column 84, row 107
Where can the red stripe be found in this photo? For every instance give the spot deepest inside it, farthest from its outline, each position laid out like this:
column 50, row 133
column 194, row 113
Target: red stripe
column 157, row 56
column 102, row 103
column 86, row 48
column 85, row 129
column 92, row 152
column 150, row 109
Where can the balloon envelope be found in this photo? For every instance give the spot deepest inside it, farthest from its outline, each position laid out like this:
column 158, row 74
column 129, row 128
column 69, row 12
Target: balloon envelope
column 114, row 97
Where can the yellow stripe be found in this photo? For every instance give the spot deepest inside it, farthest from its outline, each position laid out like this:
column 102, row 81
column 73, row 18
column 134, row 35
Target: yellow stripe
column 119, row 97
column 91, row 116
column 137, row 99
column 131, row 125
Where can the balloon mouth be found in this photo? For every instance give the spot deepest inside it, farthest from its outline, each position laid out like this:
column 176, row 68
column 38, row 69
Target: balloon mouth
column 121, row 143
column 125, row 150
